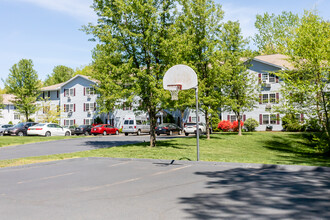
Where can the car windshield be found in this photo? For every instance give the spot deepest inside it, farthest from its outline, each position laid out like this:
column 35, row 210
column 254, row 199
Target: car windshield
column 39, row 125
column 164, row 125
column 83, row 126
column 98, row 126
column 19, row 125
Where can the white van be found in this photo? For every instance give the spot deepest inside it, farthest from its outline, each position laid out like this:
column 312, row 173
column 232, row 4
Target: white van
column 136, row 125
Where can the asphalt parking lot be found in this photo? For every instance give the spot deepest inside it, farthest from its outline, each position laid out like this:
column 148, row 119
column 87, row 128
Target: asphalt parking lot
column 106, row 188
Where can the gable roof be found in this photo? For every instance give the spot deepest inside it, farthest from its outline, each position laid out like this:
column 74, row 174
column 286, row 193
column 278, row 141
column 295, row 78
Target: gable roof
column 277, row 60
column 59, row 85
column 8, row 98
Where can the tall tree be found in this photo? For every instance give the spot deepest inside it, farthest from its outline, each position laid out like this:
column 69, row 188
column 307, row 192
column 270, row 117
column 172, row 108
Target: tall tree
column 60, row 74
column 201, row 24
column 273, row 30
column 306, row 87
column 23, row 82
column 240, row 88
column 129, row 59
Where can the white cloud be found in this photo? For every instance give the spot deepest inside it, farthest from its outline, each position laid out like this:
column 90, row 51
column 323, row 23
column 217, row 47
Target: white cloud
column 79, row 9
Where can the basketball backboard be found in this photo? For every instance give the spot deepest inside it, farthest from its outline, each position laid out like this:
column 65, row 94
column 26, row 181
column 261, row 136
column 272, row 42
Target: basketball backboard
column 181, row 75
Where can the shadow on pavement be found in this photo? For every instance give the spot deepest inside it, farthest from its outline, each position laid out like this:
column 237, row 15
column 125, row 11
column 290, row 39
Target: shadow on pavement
column 245, row 193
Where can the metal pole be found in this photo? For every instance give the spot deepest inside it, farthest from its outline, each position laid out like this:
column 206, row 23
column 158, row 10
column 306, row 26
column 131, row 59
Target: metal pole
column 197, row 124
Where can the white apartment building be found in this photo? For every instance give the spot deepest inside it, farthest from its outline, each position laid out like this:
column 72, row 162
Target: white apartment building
column 8, row 112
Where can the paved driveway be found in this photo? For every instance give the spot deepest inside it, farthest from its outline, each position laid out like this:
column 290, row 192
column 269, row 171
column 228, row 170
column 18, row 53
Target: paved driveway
column 104, row 188
column 71, row 145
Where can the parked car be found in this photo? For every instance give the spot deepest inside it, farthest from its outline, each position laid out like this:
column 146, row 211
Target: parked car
column 190, row 128
column 168, row 128
column 71, row 128
column 83, row 129
column 19, row 129
column 104, row 129
column 4, row 127
column 48, row 129
column 136, row 125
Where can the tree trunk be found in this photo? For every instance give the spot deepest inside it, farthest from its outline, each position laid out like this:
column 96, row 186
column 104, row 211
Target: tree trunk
column 239, row 125
column 26, row 116
column 153, row 121
column 207, row 121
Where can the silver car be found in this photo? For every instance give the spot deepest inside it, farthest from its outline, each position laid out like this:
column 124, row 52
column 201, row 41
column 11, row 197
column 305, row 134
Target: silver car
column 4, row 127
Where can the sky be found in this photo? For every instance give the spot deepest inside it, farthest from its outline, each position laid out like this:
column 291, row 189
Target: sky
column 48, row 32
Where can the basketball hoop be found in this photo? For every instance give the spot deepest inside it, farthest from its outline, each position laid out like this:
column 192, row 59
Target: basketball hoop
column 174, row 90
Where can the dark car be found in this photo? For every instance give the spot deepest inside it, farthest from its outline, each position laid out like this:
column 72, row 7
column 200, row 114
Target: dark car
column 19, row 129
column 104, row 129
column 71, row 128
column 83, row 129
column 168, row 128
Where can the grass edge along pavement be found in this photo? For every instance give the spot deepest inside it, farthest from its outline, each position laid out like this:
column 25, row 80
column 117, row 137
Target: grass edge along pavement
column 258, row 147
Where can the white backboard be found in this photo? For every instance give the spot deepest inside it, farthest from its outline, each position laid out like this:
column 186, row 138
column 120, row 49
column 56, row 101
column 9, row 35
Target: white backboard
column 180, row 75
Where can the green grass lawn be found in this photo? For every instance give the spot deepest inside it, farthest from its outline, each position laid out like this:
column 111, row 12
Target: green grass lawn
column 15, row 140
column 257, row 147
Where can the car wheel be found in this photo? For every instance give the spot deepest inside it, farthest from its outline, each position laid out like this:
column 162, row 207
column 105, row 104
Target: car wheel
column 126, row 134
column 48, row 134
column 86, row 133
column 1, row 134
column 104, row 133
column 138, row 132
column 117, row 132
column 20, row 134
column 171, row 133
column 180, row 132
column 186, row 134
column 67, row 133
column 158, row 134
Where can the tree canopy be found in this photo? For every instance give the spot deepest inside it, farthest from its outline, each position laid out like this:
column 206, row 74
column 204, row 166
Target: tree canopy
column 60, row 74
column 23, row 82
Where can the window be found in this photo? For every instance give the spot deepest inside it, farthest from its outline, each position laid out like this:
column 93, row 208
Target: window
column 88, row 121
column 269, row 98
column 264, row 98
column 69, row 92
column 268, row 78
column 272, row 78
column 89, row 107
column 69, row 122
column 265, row 77
column 17, row 116
column 69, row 107
column 89, row 91
column 273, row 119
column 232, row 118
column 265, row 119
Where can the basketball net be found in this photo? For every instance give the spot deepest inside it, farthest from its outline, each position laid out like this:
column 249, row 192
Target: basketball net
column 175, row 89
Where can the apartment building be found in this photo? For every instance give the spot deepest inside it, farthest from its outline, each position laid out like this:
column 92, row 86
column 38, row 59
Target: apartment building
column 8, row 112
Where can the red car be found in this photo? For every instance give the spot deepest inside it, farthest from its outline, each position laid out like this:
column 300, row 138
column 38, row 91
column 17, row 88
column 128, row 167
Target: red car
column 104, row 129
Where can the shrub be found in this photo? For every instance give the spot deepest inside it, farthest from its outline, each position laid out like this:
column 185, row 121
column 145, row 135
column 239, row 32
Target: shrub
column 215, row 121
column 251, row 124
column 225, row 125
column 290, row 123
column 235, row 125
column 10, row 123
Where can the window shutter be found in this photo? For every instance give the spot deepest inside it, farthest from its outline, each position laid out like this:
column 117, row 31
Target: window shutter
column 57, row 93
column 74, row 91
column 43, row 95
column 84, row 91
column 278, row 118
column 277, row 79
column 48, row 93
column 228, row 117
column 94, row 106
column 74, row 121
column 199, row 119
column 189, row 118
column 260, row 119
column 260, row 98
column 302, row 117
column 259, row 76
column 64, row 108
column 64, row 93
column 74, row 107
column 64, row 122
column 277, row 97
column 84, row 107
column 84, row 121
column 244, row 117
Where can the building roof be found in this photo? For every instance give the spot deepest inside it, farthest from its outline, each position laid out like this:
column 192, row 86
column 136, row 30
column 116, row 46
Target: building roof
column 278, row 60
column 8, row 98
column 52, row 87
column 59, row 85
